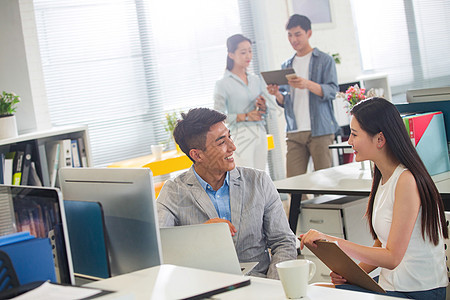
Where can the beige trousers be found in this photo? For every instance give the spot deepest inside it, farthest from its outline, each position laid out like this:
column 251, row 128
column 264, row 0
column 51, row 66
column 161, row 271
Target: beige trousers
column 301, row 145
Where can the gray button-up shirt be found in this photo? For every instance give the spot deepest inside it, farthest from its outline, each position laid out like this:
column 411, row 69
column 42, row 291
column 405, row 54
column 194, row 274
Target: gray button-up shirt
column 322, row 70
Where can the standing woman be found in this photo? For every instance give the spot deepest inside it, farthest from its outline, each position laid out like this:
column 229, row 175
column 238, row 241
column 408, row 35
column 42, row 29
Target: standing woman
column 242, row 97
column 405, row 211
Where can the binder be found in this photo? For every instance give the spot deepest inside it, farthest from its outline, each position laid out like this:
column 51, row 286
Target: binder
column 17, row 168
column 8, row 167
column 53, row 153
column 417, row 125
column 26, row 165
column 34, row 177
column 427, row 132
column 65, row 158
column 76, row 160
column 82, row 152
column 43, row 164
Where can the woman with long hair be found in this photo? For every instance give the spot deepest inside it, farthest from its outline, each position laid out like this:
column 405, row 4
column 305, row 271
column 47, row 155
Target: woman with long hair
column 405, row 211
column 242, row 96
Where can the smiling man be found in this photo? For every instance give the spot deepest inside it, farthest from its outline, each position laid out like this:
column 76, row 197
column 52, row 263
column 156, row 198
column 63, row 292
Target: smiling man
column 215, row 190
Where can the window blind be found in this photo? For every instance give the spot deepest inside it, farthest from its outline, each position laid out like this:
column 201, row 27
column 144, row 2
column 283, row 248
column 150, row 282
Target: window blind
column 120, row 65
column 406, row 39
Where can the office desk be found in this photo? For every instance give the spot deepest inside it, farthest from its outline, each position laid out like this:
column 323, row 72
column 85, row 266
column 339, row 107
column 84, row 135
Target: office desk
column 157, row 283
column 353, row 179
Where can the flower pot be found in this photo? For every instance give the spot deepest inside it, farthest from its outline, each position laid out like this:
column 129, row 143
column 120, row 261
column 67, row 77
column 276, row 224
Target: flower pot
column 8, row 127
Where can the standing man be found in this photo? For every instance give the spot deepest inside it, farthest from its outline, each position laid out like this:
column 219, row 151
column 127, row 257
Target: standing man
column 215, row 190
column 307, row 101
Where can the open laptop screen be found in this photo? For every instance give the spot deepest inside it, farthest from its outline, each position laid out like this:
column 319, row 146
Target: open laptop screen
column 40, row 211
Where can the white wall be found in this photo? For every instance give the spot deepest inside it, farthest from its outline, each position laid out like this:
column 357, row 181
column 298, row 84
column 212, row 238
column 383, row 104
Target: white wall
column 339, row 38
column 20, row 64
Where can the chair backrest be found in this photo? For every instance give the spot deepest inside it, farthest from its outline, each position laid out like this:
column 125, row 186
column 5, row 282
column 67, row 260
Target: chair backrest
column 447, row 244
column 87, row 235
column 8, row 276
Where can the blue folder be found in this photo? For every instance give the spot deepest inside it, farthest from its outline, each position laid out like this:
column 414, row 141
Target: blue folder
column 31, row 257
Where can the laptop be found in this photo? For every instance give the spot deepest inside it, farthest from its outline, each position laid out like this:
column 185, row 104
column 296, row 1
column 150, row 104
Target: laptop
column 40, row 211
column 204, row 246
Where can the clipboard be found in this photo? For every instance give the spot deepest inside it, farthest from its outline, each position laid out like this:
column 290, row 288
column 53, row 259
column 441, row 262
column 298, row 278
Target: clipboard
column 277, row 77
column 339, row 262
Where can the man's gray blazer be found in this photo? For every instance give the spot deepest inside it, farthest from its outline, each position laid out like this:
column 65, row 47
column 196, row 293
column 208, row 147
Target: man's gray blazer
column 256, row 212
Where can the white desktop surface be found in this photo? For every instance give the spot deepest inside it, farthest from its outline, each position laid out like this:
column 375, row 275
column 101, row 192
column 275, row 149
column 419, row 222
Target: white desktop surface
column 172, row 282
column 352, row 179
column 168, row 282
column 348, row 179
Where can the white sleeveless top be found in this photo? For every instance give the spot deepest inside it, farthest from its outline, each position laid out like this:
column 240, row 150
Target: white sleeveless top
column 423, row 267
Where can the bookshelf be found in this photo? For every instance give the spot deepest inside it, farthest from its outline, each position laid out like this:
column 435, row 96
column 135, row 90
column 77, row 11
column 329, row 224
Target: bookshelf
column 379, row 82
column 40, row 140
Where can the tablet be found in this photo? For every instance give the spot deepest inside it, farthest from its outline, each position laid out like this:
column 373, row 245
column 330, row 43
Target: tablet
column 339, row 262
column 277, row 77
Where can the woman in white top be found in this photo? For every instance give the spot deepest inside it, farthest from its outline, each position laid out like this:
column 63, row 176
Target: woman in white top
column 405, row 211
column 242, row 97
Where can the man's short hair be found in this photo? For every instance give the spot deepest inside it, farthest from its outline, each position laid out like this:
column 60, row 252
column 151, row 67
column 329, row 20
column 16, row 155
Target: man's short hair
column 190, row 132
column 299, row 20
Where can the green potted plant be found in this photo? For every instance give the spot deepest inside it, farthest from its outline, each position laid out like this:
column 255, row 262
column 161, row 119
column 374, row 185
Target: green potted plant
column 169, row 126
column 8, row 126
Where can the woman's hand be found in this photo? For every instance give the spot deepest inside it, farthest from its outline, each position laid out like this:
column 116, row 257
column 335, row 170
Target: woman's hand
column 337, row 279
column 273, row 89
column 310, row 237
column 261, row 104
column 255, row 115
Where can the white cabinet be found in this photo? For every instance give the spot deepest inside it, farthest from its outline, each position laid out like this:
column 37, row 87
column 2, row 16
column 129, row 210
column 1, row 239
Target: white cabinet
column 39, row 142
column 340, row 216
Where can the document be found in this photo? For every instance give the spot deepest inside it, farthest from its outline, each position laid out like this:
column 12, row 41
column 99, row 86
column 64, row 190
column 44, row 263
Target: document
column 49, row 291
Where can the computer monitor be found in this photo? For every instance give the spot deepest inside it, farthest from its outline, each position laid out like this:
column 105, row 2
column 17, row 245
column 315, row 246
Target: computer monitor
column 128, row 200
column 40, row 211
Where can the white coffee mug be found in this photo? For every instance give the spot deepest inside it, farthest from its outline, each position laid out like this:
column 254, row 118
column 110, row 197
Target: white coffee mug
column 157, row 151
column 294, row 276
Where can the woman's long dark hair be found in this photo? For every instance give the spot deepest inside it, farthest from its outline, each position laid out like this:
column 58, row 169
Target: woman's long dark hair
column 377, row 115
column 232, row 44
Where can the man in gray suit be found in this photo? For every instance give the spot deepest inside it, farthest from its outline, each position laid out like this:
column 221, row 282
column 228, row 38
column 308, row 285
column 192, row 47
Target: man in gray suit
column 215, row 190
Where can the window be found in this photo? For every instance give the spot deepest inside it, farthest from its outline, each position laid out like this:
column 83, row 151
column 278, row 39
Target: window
column 120, row 65
column 408, row 40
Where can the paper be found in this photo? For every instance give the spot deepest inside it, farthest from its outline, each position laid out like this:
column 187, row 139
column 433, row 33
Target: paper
column 49, row 291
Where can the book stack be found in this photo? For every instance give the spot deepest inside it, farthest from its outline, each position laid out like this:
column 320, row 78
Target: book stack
column 18, row 167
column 64, row 153
column 37, row 164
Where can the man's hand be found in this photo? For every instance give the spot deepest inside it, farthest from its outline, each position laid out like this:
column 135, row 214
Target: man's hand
column 299, row 83
column 219, row 220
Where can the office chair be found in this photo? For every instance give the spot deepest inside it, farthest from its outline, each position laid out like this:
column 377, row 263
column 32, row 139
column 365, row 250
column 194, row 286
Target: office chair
column 8, row 276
